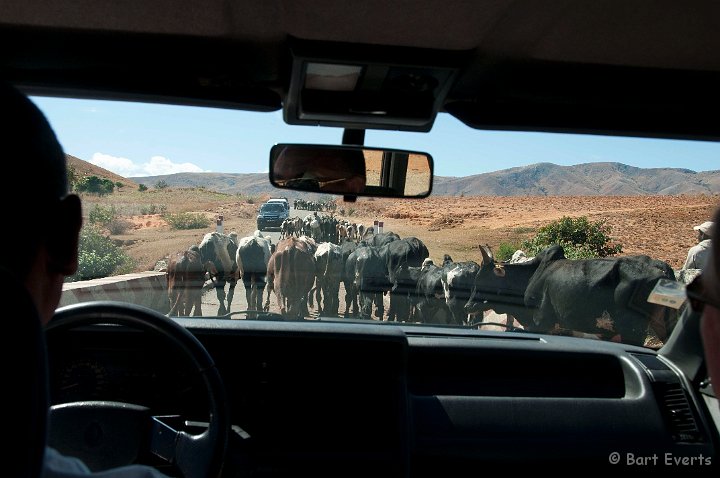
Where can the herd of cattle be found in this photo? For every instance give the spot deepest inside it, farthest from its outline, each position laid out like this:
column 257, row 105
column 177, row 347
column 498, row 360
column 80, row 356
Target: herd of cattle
column 327, row 205
column 324, row 228
column 605, row 297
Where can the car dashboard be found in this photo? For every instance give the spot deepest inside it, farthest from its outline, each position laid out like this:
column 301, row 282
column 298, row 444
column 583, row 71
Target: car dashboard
column 323, row 398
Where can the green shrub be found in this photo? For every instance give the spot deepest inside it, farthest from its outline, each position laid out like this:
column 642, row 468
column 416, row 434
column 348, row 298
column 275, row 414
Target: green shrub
column 579, row 237
column 153, row 209
column 99, row 257
column 94, row 185
column 187, row 220
column 162, row 184
column 142, row 187
column 505, row 251
column 102, row 215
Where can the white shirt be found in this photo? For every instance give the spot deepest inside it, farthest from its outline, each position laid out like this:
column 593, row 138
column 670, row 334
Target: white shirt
column 58, row 465
column 697, row 255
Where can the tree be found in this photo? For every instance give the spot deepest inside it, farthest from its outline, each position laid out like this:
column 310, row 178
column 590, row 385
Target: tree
column 95, row 185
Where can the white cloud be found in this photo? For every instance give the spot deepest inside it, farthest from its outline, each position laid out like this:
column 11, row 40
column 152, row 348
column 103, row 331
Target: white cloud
column 158, row 165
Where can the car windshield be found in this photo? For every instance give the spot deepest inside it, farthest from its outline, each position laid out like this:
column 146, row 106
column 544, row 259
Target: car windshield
column 580, row 235
column 272, row 207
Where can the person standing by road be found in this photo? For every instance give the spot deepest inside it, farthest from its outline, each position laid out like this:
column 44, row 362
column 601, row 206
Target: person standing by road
column 697, row 255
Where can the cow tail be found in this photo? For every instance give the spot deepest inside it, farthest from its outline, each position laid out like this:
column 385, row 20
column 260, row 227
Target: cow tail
column 311, row 303
column 327, row 263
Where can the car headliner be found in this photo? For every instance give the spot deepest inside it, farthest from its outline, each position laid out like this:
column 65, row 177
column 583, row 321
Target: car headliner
column 647, row 67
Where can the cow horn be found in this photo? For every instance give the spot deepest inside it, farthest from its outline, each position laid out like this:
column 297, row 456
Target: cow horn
column 486, row 254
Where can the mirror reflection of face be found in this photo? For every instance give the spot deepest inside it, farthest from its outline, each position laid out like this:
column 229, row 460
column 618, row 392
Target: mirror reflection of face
column 319, row 169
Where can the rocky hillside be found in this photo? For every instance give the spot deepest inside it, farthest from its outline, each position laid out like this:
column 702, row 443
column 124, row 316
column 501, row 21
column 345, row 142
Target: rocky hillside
column 590, row 179
column 83, row 168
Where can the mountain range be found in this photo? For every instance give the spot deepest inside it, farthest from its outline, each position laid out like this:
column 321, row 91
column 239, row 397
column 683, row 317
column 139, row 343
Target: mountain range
column 541, row 179
column 588, row 179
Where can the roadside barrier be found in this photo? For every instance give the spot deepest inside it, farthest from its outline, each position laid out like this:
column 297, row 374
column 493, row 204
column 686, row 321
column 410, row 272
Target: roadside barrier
column 144, row 288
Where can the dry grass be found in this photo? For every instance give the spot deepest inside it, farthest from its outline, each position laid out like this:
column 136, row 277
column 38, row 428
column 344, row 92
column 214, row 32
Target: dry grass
column 660, row 226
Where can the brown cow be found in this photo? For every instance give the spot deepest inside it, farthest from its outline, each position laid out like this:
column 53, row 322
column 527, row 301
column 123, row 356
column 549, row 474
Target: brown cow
column 291, row 273
column 185, row 279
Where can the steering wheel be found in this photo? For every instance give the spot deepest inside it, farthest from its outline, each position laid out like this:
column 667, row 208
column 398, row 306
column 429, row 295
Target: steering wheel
column 108, row 434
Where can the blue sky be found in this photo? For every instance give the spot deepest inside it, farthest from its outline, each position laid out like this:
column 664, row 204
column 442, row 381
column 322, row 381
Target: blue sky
column 133, row 139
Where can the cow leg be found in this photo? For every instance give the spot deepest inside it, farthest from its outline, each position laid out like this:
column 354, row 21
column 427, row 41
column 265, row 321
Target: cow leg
column 355, row 302
column 379, row 306
column 427, row 312
column 457, row 310
column 230, row 294
column 421, row 311
column 327, row 299
column 331, row 302
column 248, row 284
column 252, row 303
column 365, row 306
column 319, row 292
column 303, row 308
column 174, row 303
column 249, row 297
column 266, row 307
column 185, row 305
column 336, row 301
column 259, row 295
column 392, row 310
column 197, row 303
column 348, row 301
column 270, row 288
column 220, row 292
column 281, row 301
column 351, row 301
column 632, row 328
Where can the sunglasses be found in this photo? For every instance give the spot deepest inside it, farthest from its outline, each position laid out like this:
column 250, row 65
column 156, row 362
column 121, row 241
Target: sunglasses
column 310, row 183
column 699, row 295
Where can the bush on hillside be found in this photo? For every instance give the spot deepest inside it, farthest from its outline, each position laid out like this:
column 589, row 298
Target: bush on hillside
column 99, row 257
column 187, row 220
column 579, row 237
column 94, row 185
column 102, row 215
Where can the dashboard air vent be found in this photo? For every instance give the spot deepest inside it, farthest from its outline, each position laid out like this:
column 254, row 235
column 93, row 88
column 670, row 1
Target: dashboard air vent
column 678, row 414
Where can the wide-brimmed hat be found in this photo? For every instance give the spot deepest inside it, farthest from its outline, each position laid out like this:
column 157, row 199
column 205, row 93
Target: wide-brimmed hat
column 706, row 228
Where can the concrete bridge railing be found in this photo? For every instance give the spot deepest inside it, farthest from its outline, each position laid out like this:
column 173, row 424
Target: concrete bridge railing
column 144, row 288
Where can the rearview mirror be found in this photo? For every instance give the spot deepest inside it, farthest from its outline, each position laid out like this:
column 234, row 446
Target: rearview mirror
column 351, row 170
